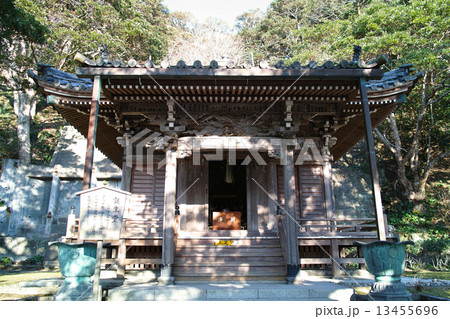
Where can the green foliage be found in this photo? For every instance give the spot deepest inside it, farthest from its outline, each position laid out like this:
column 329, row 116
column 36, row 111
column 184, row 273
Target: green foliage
column 35, row 260
column 427, row 224
column 8, row 135
column 414, row 31
column 282, row 32
column 432, row 254
column 44, row 135
column 15, row 24
column 6, row 261
column 53, row 31
column 129, row 28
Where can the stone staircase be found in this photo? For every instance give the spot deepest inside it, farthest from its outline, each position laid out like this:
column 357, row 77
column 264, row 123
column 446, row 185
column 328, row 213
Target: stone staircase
column 247, row 259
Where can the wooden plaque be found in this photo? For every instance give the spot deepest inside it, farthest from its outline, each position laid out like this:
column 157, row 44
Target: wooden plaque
column 101, row 213
column 226, row 220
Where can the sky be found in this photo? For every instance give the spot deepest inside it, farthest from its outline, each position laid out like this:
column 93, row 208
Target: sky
column 226, row 10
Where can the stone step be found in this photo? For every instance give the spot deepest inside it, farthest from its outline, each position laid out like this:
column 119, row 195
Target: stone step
column 226, row 291
column 14, row 293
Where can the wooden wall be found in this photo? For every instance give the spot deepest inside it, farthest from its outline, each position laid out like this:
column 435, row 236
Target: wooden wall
column 192, row 195
column 312, row 191
column 145, row 216
column 310, row 201
column 258, row 213
column 150, row 187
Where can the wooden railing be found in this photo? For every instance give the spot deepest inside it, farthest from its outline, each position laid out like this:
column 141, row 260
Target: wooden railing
column 131, row 228
column 336, row 233
column 176, row 227
column 143, row 228
column 135, row 232
column 337, row 227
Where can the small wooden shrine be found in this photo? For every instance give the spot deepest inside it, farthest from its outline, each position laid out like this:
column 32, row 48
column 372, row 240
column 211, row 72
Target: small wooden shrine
column 229, row 167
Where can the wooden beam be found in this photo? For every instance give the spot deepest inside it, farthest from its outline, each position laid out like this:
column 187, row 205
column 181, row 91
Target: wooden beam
column 121, row 256
column 208, row 73
column 329, row 189
column 335, row 265
column 293, row 258
column 126, row 177
column 92, row 132
column 168, row 246
column 375, row 179
column 98, row 262
column 273, row 191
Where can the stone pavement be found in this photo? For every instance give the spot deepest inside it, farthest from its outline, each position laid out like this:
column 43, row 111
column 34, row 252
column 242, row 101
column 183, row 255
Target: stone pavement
column 143, row 287
column 310, row 290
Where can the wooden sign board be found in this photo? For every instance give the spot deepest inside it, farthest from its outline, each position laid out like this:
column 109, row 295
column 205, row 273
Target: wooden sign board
column 101, row 213
column 226, row 220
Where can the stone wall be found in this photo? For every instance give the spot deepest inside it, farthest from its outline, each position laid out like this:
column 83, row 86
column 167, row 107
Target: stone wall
column 36, row 200
column 352, row 185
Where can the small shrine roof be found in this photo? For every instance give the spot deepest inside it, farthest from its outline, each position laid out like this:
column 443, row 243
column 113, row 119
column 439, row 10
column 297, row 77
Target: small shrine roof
column 325, row 95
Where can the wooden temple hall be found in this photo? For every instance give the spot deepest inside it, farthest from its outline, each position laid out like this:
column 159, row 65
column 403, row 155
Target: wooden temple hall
column 226, row 169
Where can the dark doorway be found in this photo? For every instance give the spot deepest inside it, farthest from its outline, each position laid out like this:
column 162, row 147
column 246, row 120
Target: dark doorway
column 227, row 190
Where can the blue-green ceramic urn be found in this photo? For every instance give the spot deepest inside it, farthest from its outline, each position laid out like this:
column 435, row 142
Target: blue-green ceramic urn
column 77, row 265
column 386, row 261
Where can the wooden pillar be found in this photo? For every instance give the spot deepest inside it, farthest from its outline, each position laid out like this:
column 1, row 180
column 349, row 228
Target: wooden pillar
column 329, row 189
column 126, row 168
column 381, row 229
column 293, row 258
column 273, row 191
column 92, row 132
column 336, row 257
column 168, row 246
column 98, row 263
column 126, row 178
column 121, row 256
column 361, row 255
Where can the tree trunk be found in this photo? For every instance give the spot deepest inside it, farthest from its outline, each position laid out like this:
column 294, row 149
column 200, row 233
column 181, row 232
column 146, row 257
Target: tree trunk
column 413, row 180
column 23, row 107
column 396, row 149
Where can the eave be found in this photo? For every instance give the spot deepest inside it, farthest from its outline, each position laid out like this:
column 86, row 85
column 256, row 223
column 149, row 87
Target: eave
column 142, row 91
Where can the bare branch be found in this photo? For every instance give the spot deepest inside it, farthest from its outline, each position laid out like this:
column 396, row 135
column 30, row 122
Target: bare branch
column 420, row 117
column 385, row 140
column 427, row 170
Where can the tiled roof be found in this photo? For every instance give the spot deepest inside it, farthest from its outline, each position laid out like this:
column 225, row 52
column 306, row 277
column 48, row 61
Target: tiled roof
column 59, row 78
column 70, row 81
column 394, row 78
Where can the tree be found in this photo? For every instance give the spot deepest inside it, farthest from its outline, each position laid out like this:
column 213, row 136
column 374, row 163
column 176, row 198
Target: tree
column 16, row 24
column 417, row 134
column 205, row 42
column 19, row 31
column 129, row 29
column 414, row 31
column 276, row 35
